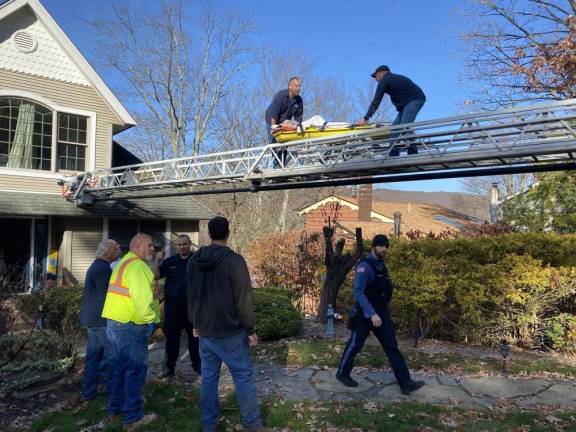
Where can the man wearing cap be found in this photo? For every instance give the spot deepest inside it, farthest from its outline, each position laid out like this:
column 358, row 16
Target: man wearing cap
column 373, row 291
column 406, row 96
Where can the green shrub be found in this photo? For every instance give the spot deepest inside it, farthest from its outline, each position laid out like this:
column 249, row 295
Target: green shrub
column 59, row 309
column 276, row 317
column 485, row 288
column 560, row 330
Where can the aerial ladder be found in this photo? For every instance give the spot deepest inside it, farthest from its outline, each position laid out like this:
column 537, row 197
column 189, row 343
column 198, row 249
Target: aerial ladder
column 521, row 139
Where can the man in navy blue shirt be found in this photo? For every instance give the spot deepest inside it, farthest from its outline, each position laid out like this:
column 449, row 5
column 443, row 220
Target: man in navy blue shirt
column 406, row 96
column 286, row 105
column 98, row 347
column 175, row 305
column 373, row 291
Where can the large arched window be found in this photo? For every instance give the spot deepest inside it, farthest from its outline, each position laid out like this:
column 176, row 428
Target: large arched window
column 25, row 134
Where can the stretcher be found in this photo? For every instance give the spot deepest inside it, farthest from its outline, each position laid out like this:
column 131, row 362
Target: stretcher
column 283, row 135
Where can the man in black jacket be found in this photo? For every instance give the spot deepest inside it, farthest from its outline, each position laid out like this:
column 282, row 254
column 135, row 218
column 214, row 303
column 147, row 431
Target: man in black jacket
column 373, row 292
column 406, row 96
column 98, row 347
column 221, row 311
column 176, row 319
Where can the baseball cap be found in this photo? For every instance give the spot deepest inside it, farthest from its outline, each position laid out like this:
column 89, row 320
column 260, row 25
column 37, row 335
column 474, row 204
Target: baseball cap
column 380, row 69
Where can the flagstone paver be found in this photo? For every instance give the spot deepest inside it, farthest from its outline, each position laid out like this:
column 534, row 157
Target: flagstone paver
column 557, row 394
column 315, row 383
column 503, row 387
column 326, row 380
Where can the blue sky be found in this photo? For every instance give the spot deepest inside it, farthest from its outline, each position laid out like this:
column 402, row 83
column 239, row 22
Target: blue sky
column 417, row 38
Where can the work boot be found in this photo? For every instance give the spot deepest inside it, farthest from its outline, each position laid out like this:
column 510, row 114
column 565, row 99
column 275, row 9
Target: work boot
column 412, row 149
column 411, row 386
column 346, row 380
column 147, row 419
column 167, row 374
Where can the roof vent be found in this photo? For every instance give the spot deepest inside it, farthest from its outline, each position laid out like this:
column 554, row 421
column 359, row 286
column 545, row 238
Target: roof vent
column 25, row 41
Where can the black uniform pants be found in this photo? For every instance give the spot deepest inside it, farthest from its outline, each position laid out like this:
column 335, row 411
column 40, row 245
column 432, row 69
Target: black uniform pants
column 386, row 335
column 176, row 319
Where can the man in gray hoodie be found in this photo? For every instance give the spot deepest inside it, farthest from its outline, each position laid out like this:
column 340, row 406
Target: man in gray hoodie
column 221, row 311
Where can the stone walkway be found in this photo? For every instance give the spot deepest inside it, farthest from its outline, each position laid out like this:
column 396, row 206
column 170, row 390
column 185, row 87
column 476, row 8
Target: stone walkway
column 315, row 383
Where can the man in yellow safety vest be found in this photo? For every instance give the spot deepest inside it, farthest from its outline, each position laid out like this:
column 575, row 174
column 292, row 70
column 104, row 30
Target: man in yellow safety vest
column 132, row 316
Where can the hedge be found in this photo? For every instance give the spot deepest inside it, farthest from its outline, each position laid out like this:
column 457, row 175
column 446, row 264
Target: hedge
column 514, row 286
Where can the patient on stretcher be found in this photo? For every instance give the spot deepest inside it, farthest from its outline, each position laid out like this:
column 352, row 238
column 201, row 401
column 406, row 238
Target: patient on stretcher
column 314, row 127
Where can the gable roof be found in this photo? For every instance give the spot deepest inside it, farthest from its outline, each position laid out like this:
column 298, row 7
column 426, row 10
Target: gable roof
column 415, row 216
column 345, row 202
column 76, row 56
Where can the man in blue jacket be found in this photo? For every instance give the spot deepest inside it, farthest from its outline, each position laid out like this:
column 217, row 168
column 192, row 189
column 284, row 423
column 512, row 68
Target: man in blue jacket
column 373, row 291
column 98, row 346
column 406, row 96
column 286, row 105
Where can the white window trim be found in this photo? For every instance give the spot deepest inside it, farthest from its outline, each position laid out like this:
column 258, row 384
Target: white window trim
column 91, row 135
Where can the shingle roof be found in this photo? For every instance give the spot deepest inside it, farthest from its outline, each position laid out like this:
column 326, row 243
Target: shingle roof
column 35, row 204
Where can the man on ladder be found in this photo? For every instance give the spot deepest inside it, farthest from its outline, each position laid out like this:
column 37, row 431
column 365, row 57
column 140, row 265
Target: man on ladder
column 406, row 96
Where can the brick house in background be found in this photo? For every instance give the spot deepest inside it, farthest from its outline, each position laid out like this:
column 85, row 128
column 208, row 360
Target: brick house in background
column 377, row 217
column 58, row 117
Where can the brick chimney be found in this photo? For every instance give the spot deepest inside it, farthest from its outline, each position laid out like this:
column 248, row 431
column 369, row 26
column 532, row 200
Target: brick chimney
column 365, row 203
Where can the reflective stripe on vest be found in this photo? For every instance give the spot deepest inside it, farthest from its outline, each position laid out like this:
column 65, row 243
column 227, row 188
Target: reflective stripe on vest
column 116, row 287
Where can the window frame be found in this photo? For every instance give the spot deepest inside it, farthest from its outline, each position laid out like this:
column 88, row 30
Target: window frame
column 91, row 116
column 76, row 143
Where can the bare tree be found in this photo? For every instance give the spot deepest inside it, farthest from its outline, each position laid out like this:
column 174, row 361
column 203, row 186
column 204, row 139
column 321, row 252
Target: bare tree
column 521, row 50
column 176, row 68
column 507, row 184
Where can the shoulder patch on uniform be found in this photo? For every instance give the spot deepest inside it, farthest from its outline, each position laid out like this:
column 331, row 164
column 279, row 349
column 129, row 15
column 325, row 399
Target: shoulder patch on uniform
column 361, row 269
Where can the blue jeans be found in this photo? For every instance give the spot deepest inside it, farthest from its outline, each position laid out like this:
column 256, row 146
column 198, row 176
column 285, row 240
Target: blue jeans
column 129, row 362
column 407, row 114
column 97, row 362
column 235, row 353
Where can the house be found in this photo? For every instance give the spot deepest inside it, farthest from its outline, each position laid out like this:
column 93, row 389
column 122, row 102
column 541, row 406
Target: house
column 378, row 217
column 58, row 117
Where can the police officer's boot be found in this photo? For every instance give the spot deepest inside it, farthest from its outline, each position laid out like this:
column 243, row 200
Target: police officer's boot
column 346, row 380
column 411, row 386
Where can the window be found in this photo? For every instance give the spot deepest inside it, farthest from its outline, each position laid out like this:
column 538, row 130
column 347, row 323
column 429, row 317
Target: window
column 25, row 134
column 72, row 132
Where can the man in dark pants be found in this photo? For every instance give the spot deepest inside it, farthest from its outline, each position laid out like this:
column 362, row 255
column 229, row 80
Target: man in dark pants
column 373, row 292
column 175, row 306
column 286, row 105
column 406, row 96
column 222, row 312
column 98, row 350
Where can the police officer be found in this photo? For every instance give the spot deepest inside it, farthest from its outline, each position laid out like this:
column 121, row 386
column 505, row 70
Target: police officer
column 373, row 292
column 173, row 269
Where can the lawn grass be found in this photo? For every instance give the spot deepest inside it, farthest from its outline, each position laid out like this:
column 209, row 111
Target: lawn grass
column 325, row 352
column 178, row 410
